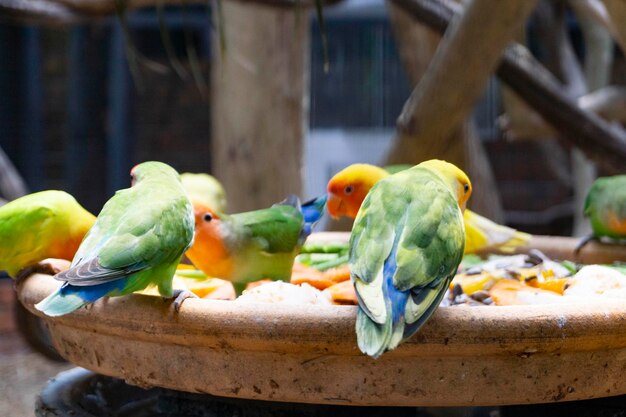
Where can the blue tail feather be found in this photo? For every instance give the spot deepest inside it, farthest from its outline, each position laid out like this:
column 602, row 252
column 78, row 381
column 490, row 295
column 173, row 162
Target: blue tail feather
column 92, row 293
column 69, row 298
column 312, row 211
column 396, row 298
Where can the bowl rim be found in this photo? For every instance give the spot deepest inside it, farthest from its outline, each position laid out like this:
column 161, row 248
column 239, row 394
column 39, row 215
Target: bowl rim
column 479, row 330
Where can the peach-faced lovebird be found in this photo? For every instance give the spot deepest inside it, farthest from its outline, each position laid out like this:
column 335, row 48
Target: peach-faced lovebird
column 605, row 206
column 406, row 244
column 250, row 246
column 205, row 189
column 348, row 188
column 47, row 224
column 137, row 241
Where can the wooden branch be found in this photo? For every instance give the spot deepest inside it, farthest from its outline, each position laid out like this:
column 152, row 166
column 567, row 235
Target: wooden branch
column 599, row 140
column 58, row 12
column 531, row 81
column 616, row 20
column 598, row 46
column 608, row 103
column 35, row 11
column 597, row 11
column 417, row 45
column 458, row 73
column 568, row 68
column 519, row 120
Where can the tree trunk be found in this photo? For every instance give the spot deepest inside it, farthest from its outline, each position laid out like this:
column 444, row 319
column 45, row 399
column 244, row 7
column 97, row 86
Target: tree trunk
column 260, row 88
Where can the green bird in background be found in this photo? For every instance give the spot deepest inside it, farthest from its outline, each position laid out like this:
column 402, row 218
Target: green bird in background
column 605, row 206
column 47, row 224
column 406, row 244
column 254, row 245
column 136, row 241
column 206, row 190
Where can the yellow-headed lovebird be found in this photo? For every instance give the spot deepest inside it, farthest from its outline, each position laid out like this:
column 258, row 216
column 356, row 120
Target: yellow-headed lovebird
column 405, row 248
column 251, row 246
column 605, row 206
column 348, row 188
column 206, row 190
column 47, row 224
column 137, row 241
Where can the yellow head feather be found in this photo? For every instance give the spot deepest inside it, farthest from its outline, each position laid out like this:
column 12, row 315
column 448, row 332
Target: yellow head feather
column 348, row 188
column 453, row 176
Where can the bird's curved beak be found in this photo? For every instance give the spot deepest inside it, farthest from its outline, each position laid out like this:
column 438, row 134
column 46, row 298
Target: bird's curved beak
column 335, row 206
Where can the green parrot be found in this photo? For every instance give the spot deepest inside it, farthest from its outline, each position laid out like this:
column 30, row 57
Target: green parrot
column 47, row 224
column 137, row 241
column 205, row 189
column 406, row 244
column 605, row 206
column 246, row 247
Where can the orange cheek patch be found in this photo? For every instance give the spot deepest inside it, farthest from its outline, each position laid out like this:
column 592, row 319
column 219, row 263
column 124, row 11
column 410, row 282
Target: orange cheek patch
column 209, row 254
column 617, row 224
column 65, row 249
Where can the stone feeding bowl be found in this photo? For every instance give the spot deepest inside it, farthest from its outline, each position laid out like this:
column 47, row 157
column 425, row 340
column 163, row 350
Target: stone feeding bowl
column 463, row 356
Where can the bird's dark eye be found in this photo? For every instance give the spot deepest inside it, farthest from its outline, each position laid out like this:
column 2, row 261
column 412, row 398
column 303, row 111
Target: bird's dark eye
column 348, row 189
column 466, row 187
column 208, row 217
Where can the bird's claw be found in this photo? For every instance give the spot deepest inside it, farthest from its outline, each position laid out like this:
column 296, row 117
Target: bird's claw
column 583, row 242
column 180, row 296
column 48, row 266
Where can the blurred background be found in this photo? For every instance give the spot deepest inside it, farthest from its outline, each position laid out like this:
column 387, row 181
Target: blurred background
column 72, row 118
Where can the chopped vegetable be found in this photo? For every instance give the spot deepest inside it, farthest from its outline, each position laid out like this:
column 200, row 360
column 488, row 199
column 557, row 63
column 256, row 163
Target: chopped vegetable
column 342, row 293
column 509, row 292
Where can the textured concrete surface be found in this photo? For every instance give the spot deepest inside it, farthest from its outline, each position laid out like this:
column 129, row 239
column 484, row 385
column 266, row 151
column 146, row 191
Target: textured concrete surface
column 23, row 372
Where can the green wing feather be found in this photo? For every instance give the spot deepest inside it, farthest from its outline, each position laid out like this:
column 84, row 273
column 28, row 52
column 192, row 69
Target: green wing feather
column 263, row 243
column 125, row 241
column 276, row 229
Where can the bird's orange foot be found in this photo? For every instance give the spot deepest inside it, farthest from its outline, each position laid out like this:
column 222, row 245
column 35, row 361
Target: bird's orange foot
column 50, row 266
column 180, row 296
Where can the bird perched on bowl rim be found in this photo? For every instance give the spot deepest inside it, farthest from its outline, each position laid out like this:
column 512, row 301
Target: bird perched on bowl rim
column 405, row 247
column 137, row 240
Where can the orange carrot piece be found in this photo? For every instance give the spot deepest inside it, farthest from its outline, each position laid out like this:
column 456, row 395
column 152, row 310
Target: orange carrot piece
column 504, row 292
column 305, row 274
column 339, row 274
column 556, row 285
column 225, row 291
column 258, row 283
column 342, row 293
